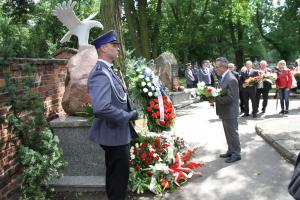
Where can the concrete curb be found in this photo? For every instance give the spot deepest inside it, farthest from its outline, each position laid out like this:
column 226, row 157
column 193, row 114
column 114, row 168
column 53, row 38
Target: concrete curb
column 289, row 156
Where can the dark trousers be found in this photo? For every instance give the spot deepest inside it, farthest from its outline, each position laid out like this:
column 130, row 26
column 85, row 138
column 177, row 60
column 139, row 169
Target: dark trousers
column 117, row 171
column 249, row 93
column 242, row 105
column 232, row 136
column 265, row 95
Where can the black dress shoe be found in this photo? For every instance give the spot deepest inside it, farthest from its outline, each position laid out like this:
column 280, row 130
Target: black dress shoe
column 254, row 115
column 233, row 159
column 286, row 112
column 225, row 155
column 281, row 112
column 245, row 115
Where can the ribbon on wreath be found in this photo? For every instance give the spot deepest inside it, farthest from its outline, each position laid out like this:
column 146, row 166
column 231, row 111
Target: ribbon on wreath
column 183, row 173
column 155, row 81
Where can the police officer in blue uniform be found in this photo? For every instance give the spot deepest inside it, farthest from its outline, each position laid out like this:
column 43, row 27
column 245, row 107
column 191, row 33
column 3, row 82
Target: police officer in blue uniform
column 110, row 127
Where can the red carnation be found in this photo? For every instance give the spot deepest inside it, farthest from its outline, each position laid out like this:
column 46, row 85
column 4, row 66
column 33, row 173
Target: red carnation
column 154, row 115
column 150, row 174
column 209, row 90
column 166, row 145
column 149, row 109
column 162, row 122
column 156, row 106
column 137, row 168
column 151, row 102
column 143, row 156
column 155, row 100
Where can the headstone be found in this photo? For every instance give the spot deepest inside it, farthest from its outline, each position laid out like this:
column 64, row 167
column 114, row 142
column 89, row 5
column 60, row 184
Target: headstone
column 79, row 67
column 166, row 65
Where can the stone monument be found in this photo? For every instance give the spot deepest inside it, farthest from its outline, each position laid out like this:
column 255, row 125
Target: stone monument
column 85, row 170
column 166, row 64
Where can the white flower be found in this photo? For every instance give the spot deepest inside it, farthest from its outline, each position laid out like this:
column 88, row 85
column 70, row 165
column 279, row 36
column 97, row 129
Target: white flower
column 200, row 84
column 131, row 150
column 150, row 94
column 145, row 90
column 153, row 88
column 148, row 70
column 161, row 167
column 147, row 79
column 137, row 145
column 141, row 76
column 143, row 84
column 214, row 93
column 138, row 70
column 156, row 94
column 132, row 156
column 149, row 84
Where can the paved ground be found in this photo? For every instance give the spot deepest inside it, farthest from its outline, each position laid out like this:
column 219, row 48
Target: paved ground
column 262, row 174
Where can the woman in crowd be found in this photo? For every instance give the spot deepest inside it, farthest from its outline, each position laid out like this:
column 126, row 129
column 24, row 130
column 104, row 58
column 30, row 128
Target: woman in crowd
column 283, row 84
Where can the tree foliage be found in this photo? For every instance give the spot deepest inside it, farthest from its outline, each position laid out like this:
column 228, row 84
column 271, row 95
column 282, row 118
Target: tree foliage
column 193, row 30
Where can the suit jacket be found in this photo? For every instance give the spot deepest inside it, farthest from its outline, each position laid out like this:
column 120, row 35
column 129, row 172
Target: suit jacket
column 189, row 76
column 227, row 107
column 110, row 126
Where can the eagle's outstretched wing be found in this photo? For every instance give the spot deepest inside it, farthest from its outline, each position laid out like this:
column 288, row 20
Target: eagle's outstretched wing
column 91, row 16
column 66, row 14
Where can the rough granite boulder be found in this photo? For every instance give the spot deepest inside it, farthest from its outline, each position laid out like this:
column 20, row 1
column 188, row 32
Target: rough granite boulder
column 164, row 64
column 78, row 67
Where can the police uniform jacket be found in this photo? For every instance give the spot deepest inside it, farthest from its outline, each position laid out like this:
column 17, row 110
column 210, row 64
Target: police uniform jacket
column 110, row 126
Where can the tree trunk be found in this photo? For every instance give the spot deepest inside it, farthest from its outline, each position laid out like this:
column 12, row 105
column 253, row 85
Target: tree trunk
column 132, row 20
column 156, row 30
column 143, row 20
column 236, row 41
column 111, row 19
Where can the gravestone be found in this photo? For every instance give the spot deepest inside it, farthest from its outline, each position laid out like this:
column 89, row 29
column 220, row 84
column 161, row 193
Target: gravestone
column 166, row 65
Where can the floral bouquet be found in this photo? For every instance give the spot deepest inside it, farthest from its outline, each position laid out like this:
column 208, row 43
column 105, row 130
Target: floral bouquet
column 209, row 92
column 147, row 91
column 159, row 163
column 267, row 76
column 249, row 82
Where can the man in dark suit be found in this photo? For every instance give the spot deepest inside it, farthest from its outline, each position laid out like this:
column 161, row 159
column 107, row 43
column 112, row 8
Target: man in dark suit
column 249, row 92
column 189, row 76
column 110, row 126
column 264, row 87
column 227, row 108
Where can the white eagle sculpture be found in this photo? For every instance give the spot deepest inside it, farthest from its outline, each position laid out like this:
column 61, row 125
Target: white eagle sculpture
column 65, row 13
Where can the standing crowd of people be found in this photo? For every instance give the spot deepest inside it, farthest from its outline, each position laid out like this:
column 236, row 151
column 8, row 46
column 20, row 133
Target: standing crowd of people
column 247, row 92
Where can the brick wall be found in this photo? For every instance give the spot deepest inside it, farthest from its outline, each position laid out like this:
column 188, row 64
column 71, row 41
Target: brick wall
column 49, row 79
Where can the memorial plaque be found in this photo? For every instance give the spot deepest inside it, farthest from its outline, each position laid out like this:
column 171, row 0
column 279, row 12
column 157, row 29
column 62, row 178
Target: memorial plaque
column 174, row 70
